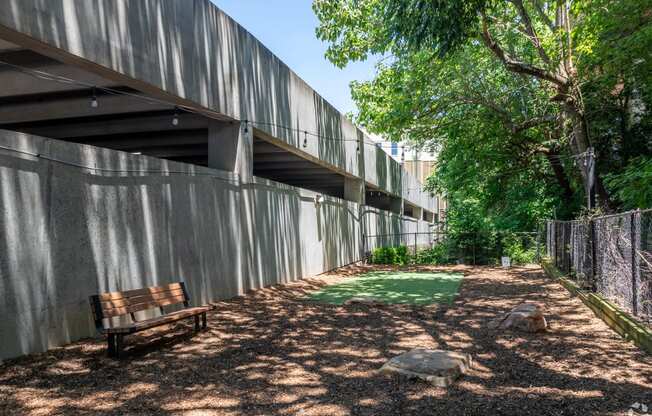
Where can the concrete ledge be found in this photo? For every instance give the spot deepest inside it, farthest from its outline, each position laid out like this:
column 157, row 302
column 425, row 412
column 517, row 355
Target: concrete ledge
column 619, row 320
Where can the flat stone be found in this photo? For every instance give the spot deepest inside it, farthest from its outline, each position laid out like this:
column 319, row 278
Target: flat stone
column 438, row 367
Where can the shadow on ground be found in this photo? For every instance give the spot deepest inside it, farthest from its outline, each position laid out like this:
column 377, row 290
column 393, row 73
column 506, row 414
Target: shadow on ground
column 273, row 353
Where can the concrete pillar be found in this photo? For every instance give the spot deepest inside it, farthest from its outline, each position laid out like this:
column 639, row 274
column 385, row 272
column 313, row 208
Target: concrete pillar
column 417, row 212
column 230, row 148
column 396, row 205
column 354, row 190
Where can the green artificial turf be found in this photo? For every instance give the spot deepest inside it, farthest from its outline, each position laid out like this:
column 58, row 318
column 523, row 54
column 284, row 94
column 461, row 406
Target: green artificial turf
column 394, row 287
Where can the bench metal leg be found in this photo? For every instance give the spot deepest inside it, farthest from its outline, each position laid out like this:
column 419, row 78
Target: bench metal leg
column 118, row 345
column 111, row 341
column 196, row 322
column 203, row 320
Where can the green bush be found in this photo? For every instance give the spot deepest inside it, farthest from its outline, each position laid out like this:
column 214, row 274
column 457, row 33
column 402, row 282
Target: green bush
column 402, row 256
column 514, row 248
column 390, row 255
column 439, row 254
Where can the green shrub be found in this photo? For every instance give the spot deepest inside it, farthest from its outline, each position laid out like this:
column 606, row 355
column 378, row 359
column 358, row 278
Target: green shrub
column 390, row 255
column 402, row 256
column 436, row 255
column 514, row 248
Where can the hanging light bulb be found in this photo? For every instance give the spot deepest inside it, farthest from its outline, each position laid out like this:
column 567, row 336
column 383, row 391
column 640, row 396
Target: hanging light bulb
column 246, row 129
column 305, row 139
column 175, row 119
column 94, row 103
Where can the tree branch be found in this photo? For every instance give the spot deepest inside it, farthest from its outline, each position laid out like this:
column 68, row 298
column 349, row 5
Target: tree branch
column 533, row 122
column 530, row 31
column 542, row 14
column 515, row 65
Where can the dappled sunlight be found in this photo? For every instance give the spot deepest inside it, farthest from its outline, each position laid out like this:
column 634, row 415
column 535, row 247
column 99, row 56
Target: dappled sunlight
column 284, row 355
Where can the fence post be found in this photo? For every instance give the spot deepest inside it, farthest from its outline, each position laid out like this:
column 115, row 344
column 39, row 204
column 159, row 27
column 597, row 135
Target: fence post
column 594, row 255
column 415, row 245
column 538, row 236
column 634, row 243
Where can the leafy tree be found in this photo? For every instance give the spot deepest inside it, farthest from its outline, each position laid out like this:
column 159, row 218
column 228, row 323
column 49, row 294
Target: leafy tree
column 634, row 184
column 533, row 73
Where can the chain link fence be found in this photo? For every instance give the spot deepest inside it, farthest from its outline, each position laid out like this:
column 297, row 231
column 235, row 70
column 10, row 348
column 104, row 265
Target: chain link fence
column 610, row 255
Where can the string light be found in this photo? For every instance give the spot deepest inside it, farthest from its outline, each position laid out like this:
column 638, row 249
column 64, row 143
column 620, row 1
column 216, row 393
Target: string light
column 175, row 119
column 94, row 103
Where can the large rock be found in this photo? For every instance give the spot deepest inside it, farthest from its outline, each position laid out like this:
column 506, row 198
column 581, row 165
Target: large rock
column 526, row 317
column 438, row 367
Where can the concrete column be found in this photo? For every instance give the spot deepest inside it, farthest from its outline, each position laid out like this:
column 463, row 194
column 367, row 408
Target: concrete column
column 396, row 205
column 417, row 212
column 354, row 190
column 231, row 149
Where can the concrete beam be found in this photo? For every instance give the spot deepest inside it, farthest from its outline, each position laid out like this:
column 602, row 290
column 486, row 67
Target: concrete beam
column 71, row 107
column 286, row 166
column 106, row 125
column 396, row 205
column 277, row 158
column 354, row 190
column 151, row 140
column 230, row 148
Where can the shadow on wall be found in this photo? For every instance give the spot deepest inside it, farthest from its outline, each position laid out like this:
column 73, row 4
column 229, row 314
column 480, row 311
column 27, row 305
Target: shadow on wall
column 341, row 230
column 70, row 232
column 160, row 45
column 163, row 43
column 277, row 236
column 332, row 144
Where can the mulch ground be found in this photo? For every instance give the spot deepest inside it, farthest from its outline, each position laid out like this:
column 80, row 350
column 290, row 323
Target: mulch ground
column 273, row 353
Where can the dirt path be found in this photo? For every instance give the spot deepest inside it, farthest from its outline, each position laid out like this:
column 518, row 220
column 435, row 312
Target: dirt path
column 271, row 353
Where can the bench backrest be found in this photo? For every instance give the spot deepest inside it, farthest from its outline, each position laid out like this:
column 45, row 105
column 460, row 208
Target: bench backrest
column 114, row 304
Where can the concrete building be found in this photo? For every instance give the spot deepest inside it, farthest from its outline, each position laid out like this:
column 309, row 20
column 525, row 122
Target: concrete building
column 145, row 142
column 418, row 163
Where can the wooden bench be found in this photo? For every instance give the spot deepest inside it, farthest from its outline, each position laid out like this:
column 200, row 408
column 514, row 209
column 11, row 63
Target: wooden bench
column 106, row 306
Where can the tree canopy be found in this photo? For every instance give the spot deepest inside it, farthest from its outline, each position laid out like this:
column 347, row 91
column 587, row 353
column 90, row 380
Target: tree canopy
column 514, row 95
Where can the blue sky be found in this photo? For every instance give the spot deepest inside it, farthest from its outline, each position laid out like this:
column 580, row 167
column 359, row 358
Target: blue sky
column 287, row 28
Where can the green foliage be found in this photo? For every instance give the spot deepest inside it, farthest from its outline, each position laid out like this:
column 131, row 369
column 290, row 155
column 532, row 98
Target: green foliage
column 356, row 29
column 516, row 250
column 505, row 95
column 437, row 255
column 402, row 255
column 390, row 255
column 633, row 186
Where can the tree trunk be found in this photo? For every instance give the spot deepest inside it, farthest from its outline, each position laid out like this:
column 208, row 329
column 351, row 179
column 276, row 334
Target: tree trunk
column 580, row 143
column 560, row 176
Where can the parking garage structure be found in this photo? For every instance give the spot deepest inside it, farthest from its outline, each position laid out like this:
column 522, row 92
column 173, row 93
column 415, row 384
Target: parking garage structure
column 143, row 143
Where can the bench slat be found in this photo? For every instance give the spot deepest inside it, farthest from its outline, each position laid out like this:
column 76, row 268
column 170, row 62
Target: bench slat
column 125, row 302
column 138, row 292
column 171, row 300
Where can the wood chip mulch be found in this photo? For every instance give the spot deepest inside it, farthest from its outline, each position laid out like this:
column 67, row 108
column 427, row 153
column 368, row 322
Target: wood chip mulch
column 274, row 353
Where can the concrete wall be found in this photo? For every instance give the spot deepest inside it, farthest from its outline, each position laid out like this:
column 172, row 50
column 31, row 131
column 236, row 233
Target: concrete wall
column 77, row 220
column 187, row 50
column 382, row 229
column 132, row 221
column 190, row 52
